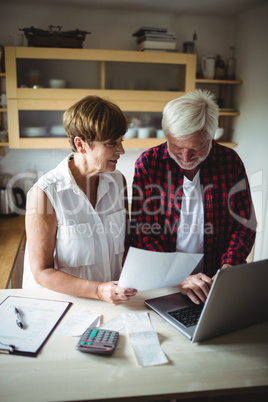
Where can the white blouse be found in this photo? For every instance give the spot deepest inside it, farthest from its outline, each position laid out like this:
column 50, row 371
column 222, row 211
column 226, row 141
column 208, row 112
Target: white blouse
column 89, row 242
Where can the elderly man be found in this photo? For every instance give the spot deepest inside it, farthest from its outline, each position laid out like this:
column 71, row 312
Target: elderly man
column 192, row 195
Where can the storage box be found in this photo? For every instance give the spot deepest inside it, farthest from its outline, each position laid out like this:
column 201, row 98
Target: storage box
column 54, row 37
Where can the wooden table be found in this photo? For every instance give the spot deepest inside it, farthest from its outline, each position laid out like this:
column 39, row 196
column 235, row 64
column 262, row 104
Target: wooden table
column 233, row 364
column 12, row 234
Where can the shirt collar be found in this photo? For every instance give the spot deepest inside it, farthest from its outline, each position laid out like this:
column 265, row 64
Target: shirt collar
column 64, row 179
column 165, row 153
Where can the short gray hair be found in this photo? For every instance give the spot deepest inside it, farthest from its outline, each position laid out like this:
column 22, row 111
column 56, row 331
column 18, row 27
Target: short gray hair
column 192, row 112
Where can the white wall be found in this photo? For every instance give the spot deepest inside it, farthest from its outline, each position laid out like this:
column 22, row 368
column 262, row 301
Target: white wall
column 251, row 131
column 110, row 30
column 113, row 30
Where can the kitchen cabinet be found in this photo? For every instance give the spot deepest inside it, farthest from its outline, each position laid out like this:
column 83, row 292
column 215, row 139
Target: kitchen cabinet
column 141, row 83
column 129, row 78
column 3, row 113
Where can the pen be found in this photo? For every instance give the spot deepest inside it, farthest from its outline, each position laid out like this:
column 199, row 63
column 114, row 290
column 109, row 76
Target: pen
column 18, row 318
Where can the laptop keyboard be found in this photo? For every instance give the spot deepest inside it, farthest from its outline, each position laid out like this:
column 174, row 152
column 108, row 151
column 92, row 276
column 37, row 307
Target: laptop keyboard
column 187, row 316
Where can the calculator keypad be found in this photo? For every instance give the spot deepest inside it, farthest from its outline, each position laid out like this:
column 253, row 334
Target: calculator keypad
column 98, row 341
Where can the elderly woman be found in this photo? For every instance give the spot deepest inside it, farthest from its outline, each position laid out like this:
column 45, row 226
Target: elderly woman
column 76, row 214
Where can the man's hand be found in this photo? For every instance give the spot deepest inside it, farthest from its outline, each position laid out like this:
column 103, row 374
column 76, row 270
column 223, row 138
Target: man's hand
column 110, row 292
column 196, row 287
column 224, row 266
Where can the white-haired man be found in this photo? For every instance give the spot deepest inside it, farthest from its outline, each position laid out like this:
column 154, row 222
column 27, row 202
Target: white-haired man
column 192, row 195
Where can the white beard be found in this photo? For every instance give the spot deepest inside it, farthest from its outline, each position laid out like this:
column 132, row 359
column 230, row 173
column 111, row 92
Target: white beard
column 194, row 163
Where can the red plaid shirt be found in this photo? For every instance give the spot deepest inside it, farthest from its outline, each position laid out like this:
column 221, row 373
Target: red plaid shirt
column 229, row 218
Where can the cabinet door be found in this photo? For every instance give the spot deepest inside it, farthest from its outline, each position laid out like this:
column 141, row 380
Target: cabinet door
column 43, row 83
column 3, row 111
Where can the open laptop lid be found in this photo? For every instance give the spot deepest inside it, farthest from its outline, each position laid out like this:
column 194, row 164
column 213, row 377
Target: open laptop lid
column 237, row 299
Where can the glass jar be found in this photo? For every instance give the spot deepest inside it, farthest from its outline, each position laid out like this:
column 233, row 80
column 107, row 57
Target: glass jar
column 219, row 68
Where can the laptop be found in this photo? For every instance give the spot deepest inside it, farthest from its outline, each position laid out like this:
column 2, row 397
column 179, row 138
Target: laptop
column 237, row 299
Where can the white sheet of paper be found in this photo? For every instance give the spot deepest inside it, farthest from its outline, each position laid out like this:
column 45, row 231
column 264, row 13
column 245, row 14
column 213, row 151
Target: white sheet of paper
column 137, row 322
column 134, row 322
column 115, row 324
column 144, row 340
column 77, row 323
column 144, row 269
column 147, row 348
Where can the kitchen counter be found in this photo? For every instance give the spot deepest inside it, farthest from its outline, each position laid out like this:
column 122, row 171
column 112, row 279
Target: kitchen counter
column 12, row 234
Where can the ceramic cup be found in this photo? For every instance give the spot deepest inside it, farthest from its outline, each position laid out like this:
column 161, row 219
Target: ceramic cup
column 146, row 132
column 160, row 134
column 3, row 136
column 208, row 66
column 131, row 133
column 3, row 100
column 219, row 133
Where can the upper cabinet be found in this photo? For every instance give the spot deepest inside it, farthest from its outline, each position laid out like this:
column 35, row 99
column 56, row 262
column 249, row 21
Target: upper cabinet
column 3, row 112
column 43, row 82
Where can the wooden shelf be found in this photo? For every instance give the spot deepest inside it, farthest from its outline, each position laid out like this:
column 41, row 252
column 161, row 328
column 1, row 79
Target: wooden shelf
column 236, row 113
column 152, row 142
column 223, row 113
column 129, row 143
column 223, row 82
column 142, row 143
column 228, row 144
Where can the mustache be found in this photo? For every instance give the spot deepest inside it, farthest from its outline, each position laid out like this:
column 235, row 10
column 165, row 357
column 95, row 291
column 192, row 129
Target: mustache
column 195, row 161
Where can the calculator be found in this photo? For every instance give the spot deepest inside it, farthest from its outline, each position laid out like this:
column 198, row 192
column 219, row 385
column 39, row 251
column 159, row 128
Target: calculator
column 95, row 340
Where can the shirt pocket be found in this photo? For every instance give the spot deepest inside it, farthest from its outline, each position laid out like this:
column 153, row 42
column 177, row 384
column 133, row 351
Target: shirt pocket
column 117, row 228
column 75, row 245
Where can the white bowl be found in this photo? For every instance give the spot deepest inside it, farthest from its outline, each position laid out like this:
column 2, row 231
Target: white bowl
column 34, row 131
column 57, row 130
column 57, row 83
column 160, row 134
column 131, row 133
column 3, row 136
column 219, row 133
column 146, row 132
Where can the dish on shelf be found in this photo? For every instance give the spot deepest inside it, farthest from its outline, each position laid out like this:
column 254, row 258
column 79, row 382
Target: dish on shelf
column 34, row 131
column 57, row 130
column 3, row 136
column 146, row 132
column 57, row 83
column 219, row 133
column 160, row 134
column 131, row 133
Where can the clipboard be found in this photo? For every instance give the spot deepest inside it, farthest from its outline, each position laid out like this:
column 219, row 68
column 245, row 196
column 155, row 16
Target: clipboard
column 39, row 318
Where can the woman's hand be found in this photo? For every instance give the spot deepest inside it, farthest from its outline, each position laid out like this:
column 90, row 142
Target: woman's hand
column 196, row 287
column 110, row 292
